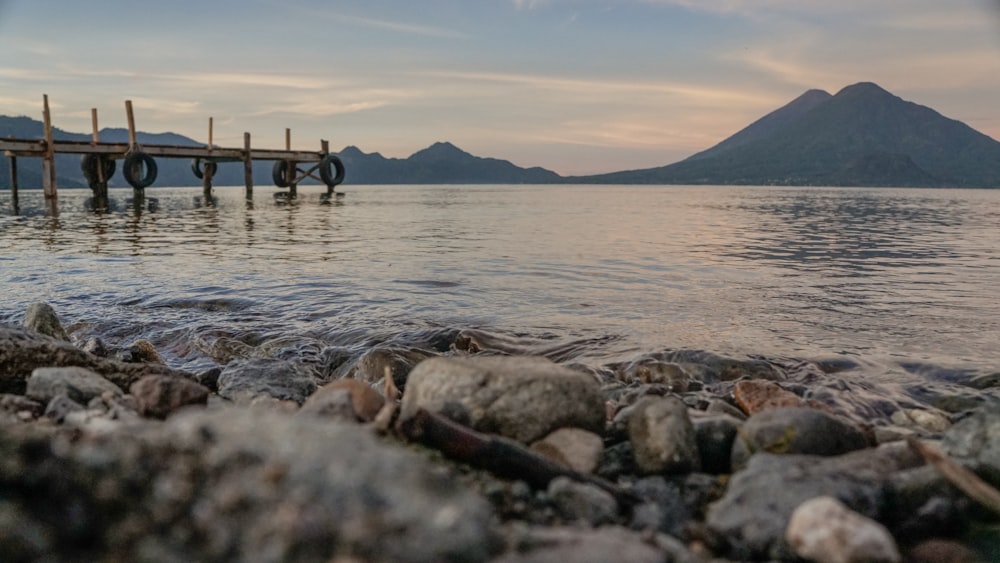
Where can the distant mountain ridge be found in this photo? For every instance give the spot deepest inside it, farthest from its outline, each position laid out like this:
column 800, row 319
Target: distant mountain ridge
column 440, row 163
column 862, row 136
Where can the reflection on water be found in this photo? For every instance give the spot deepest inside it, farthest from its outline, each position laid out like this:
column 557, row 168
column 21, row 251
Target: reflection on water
column 890, row 277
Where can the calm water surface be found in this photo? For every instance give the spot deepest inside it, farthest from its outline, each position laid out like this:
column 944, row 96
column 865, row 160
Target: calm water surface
column 901, row 281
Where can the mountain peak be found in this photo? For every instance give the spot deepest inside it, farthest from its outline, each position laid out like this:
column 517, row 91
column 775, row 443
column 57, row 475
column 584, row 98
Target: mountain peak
column 440, row 150
column 863, row 89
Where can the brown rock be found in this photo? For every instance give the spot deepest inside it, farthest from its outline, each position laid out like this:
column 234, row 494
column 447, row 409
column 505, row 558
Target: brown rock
column 143, row 351
column 365, row 401
column 575, row 448
column 755, row 395
column 159, row 395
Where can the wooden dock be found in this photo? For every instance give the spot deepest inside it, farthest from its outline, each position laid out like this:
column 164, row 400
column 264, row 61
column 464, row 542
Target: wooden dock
column 98, row 160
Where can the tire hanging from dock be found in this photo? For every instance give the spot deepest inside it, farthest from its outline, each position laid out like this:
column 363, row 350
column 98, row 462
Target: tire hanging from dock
column 327, row 166
column 280, row 173
column 139, row 170
column 210, row 168
column 89, row 166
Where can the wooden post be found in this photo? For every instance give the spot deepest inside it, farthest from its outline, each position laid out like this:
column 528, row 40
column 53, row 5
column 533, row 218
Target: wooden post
column 210, row 120
column 96, row 136
column 100, row 186
column 131, row 124
column 49, row 159
column 13, row 185
column 293, row 188
column 247, row 166
column 206, row 183
column 324, row 146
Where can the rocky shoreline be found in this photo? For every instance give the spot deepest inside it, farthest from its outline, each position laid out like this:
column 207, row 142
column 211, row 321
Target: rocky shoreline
column 460, row 453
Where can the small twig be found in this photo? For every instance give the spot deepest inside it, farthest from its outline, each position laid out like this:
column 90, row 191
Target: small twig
column 965, row 480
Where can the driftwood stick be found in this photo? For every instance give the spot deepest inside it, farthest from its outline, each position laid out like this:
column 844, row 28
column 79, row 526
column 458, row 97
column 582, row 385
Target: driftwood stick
column 965, row 480
column 500, row 456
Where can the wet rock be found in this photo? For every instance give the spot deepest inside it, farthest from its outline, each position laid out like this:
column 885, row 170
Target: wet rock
column 159, row 395
column 756, row 395
column 795, row 430
column 238, row 484
column 577, row 449
column 759, row 500
column 714, row 435
column 575, row 501
column 363, row 401
column 95, row 346
column 663, row 437
column 22, row 351
column 42, row 318
column 242, row 381
column 718, row 406
column 79, row 384
column 61, row 406
column 140, row 351
column 668, row 374
column 975, row 441
column 378, row 362
column 520, row 397
column 209, row 379
column 607, row 543
column 824, row 530
column 921, row 419
column 986, row 381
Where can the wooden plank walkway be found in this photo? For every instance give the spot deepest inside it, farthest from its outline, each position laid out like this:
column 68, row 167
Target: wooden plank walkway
column 140, row 170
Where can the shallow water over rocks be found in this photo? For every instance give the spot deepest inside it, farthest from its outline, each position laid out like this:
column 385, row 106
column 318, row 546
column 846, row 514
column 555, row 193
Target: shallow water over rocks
column 869, row 300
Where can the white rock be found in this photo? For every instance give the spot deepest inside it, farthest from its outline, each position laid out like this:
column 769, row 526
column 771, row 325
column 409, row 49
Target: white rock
column 523, row 398
column 572, row 447
column 824, row 530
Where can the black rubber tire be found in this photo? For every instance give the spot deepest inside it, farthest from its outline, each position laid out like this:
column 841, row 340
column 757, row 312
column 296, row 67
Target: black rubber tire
column 279, row 173
column 135, row 164
column 200, row 172
column 89, row 164
column 327, row 166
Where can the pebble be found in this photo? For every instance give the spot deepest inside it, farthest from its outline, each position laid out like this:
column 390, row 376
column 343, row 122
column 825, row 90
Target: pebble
column 715, row 434
column 577, row 449
column 158, row 396
column 756, row 395
column 922, row 419
column 663, row 437
column 824, row 530
column 79, row 384
column 364, row 402
column 582, row 501
column 795, row 430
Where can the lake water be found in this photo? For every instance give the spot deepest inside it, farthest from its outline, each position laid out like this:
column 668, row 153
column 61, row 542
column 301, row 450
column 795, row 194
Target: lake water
column 902, row 282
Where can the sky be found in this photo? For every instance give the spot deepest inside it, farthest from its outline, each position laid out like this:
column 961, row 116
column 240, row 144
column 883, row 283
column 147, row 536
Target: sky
column 575, row 86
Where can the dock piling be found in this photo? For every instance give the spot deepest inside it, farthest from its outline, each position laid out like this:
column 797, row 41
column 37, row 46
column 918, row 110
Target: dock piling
column 49, row 158
column 247, row 166
column 13, row 185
